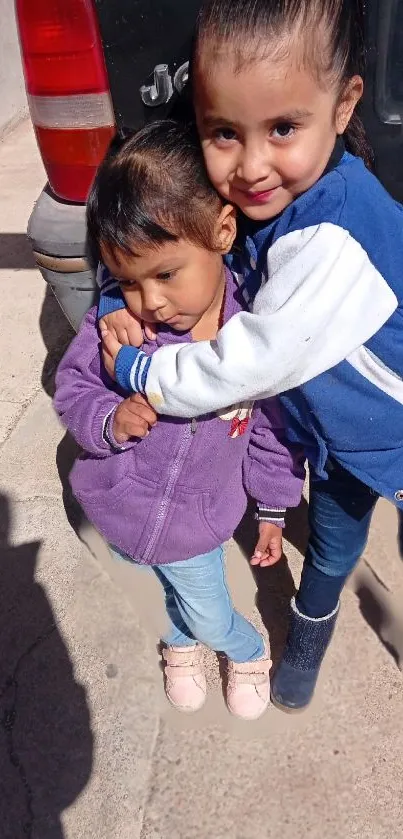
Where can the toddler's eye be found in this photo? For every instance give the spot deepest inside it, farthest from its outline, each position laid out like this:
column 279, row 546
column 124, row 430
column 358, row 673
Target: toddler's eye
column 224, row 134
column 165, row 275
column 283, row 130
column 127, row 283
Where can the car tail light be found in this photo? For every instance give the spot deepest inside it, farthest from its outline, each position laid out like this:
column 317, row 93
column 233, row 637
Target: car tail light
column 68, row 90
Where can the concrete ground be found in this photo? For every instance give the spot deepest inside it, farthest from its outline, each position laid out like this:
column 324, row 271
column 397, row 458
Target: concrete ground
column 88, row 747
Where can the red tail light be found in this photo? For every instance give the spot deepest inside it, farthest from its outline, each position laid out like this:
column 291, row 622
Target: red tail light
column 68, row 91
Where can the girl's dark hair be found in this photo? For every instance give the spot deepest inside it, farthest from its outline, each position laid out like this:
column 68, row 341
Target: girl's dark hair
column 328, row 35
column 153, row 188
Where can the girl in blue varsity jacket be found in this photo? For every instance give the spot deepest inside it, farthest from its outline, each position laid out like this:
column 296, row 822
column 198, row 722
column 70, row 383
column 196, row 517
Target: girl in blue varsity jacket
column 320, row 262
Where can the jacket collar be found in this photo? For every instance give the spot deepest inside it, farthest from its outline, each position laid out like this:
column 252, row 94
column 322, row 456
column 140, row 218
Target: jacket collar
column 336, row 156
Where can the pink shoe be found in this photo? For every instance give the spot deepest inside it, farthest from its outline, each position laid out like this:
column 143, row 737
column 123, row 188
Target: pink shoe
column 185, row 682
column 248, row 689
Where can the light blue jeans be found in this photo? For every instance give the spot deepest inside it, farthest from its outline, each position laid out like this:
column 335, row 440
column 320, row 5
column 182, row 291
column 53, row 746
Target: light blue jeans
column 200, row 608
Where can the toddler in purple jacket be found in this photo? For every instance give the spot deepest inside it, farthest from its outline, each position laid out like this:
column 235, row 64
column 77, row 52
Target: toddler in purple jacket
column 167, row 494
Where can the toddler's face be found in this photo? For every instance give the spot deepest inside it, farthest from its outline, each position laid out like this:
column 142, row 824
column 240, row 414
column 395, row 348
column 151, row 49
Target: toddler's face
column 267, row 132
column 175, row 283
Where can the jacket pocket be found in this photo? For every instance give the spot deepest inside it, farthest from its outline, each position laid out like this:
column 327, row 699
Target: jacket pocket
column 100, row 496
column 123, row 513
column 222, row 516
column 206, row 517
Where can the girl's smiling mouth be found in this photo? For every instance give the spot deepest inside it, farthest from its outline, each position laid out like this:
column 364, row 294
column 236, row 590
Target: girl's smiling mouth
column 259, row 197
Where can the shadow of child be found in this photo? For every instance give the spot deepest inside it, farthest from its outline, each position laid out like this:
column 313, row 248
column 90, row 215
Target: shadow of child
column 46, row 742
column 275, row 585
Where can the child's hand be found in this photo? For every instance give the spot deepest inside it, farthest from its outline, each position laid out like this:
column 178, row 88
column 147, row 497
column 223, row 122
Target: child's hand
column 124, row 326
column 133, row 418
column 268, row 550
column 112, row 344
column 127, row 328
column 110, row 349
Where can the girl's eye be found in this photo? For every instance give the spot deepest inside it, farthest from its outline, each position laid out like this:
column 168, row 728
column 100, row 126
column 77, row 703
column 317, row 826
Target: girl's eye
column 284, row 130
column 224, row 134
column 164, row 276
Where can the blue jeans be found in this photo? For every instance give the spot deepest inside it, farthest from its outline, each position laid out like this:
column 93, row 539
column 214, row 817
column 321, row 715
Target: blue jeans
column 200, row 608
column 340, row 511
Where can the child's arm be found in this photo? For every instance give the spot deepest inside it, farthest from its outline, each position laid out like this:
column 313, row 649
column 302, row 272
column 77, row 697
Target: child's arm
column 323, row 299
column 273, row 469
column 274, row 475
column 86, row 399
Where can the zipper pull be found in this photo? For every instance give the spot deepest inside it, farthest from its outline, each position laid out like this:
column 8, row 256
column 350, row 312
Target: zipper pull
column 193, row 425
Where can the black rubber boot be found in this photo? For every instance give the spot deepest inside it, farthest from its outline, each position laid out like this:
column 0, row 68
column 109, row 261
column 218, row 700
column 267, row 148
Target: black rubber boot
column 295, row 679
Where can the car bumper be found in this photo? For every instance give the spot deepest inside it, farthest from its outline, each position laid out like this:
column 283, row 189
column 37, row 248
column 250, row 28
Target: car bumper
column 57, row 232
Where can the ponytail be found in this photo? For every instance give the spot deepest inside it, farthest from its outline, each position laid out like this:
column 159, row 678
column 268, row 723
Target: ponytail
column 357, row 142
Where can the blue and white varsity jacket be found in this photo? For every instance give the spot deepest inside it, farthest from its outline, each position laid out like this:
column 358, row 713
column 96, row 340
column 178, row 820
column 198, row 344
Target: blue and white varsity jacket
column 324, row 281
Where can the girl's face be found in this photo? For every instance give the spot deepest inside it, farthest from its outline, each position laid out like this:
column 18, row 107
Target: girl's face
column 267, row 131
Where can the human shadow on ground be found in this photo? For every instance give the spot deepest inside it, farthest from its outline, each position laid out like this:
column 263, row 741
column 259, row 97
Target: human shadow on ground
column 46, row 742
column 66, row 455
column 56, row 334
column 376, row 607
column 275, row 585
column 380, row 606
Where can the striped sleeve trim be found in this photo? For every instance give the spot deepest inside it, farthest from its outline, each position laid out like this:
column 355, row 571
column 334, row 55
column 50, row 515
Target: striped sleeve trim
column 131, row 368
column 271, row 514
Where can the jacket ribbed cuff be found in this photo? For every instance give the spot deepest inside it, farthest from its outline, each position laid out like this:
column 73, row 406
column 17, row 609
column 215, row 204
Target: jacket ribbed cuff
column 274, row 515
column 131, row 368
column 107, row 432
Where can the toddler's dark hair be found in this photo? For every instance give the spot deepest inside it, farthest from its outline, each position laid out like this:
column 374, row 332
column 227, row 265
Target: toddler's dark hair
column 328, row 35
column 153, row 188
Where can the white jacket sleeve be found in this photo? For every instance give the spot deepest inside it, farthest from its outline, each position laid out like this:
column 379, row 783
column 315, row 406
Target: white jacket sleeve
column 323, row 299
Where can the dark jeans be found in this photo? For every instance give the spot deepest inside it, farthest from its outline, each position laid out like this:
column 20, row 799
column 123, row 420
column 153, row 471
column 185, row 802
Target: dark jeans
column 340, row 512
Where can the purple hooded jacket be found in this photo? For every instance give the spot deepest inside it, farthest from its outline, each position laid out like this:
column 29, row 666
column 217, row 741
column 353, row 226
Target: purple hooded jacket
column 182, row 490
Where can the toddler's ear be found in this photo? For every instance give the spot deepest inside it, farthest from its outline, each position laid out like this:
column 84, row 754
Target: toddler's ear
column 226, row 228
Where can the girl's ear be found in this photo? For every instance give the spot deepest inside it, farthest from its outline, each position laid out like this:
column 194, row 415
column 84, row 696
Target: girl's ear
column 226, row 228
column 348, row 100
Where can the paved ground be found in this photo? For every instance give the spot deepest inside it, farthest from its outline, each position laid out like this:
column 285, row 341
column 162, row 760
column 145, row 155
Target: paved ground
column 88, row 747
